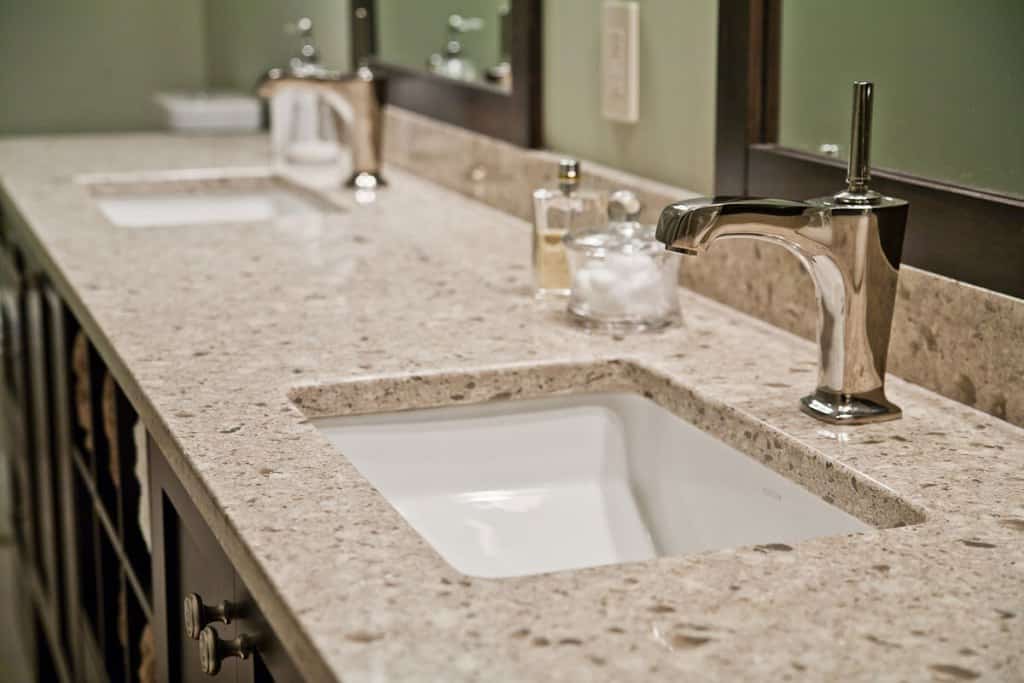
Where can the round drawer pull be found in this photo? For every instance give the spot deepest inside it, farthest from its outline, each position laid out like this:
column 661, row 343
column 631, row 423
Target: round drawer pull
column 197, row 615
column 213, row 650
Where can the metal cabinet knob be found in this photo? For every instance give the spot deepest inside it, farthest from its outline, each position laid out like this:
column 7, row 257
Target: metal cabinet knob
column 198, row 615
column 213, row 650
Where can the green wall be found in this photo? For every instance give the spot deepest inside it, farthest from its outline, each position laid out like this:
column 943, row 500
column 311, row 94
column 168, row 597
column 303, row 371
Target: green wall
column 93, row 65
column 949, row 78
column 674, row 139
column 90, row 65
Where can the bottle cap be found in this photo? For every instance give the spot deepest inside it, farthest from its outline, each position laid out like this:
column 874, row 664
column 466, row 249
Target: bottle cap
column 568, row 174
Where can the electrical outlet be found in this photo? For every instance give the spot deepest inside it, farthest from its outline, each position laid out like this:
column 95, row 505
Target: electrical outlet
column 620, row 61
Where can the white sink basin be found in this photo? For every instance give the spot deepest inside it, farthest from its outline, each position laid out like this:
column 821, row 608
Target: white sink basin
column 187, row 198
column 523, row 487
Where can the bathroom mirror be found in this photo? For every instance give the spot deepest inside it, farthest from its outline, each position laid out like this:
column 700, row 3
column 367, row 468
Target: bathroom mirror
column 463, row 40
column 946, row 137
column 472, row 63
column 949, row 92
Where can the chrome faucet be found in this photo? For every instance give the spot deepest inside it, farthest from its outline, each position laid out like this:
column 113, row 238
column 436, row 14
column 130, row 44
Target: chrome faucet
column 354, row 98
column 851, row 243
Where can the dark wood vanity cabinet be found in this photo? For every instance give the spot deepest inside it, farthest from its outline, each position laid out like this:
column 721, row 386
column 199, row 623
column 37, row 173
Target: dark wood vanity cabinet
column 108, row 543
column 37, row 464
column 189, row 560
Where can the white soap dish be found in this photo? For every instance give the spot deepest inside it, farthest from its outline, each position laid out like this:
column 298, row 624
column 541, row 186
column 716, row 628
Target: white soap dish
column 209, row 112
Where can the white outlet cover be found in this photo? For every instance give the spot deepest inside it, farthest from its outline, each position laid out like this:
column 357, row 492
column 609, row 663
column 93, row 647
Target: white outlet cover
column 620, row 61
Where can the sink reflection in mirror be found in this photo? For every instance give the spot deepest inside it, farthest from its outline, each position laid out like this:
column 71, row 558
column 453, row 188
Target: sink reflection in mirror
column 514, row 488
column 175, row 198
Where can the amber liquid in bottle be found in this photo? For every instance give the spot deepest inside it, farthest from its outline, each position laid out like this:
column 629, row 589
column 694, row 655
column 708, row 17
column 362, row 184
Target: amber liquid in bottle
column 556, row 213
column 550, row 263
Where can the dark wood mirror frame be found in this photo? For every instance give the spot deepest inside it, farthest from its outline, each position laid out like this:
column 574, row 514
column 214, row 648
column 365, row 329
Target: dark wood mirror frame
column 963, row 233
column 511, row 116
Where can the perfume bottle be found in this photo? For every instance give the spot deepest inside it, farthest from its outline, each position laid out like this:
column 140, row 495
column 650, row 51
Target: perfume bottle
column 558, row 212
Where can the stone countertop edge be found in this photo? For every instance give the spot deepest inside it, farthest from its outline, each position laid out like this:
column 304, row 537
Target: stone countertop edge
column 214, row 373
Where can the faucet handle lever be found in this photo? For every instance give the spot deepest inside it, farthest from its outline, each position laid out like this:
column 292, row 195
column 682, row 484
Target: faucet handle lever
column 858, row 172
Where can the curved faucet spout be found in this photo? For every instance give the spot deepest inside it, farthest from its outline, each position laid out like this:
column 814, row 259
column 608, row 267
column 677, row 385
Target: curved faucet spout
column 852, row 255
column 690, row 226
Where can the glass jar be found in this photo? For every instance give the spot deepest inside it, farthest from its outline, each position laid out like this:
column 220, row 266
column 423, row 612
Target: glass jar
column 622, row 279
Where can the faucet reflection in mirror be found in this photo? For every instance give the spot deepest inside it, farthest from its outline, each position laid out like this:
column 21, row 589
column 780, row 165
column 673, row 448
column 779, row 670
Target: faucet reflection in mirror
column 851, row 243
column 453, row 63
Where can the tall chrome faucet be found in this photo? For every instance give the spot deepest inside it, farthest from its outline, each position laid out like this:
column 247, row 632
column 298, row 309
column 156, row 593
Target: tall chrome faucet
column 355, row 100
column 851, row 243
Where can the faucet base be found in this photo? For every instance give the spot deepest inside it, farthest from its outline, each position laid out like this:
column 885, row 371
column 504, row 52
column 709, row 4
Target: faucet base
column 365, row 180
column 851, row 409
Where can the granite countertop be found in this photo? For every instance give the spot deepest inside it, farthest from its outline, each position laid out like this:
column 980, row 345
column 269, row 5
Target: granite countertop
column 227, row 338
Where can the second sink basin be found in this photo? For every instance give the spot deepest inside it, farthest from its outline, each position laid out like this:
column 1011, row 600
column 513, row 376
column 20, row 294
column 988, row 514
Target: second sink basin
column 523, row 487
column 193, row 197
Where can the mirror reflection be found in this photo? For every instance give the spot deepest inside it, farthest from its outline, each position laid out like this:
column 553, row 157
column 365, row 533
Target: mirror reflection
column 948, row 79
column 464, row 40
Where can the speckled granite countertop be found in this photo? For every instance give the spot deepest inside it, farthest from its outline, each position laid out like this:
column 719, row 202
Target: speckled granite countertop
column 421, row 299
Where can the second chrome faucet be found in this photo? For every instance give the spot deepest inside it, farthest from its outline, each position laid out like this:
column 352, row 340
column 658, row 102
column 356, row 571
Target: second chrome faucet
column 354, row 100
column 851, row 243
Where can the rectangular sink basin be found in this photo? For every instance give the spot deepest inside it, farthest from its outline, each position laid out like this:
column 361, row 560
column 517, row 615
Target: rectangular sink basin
column 523, row 487
column 187, row 198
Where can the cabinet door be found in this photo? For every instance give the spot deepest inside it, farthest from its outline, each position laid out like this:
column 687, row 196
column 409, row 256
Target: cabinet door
column 64, row 492
column 270, row 663
column 42, row 427
column 186, row 559
column 16, row 492
column 15, row 507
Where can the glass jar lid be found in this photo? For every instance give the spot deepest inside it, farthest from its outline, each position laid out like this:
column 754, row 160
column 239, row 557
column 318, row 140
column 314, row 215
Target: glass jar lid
column 623, row 234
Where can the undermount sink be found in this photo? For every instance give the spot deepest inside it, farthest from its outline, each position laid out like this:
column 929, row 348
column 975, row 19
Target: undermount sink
column 514, row 488
column 175, row 198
